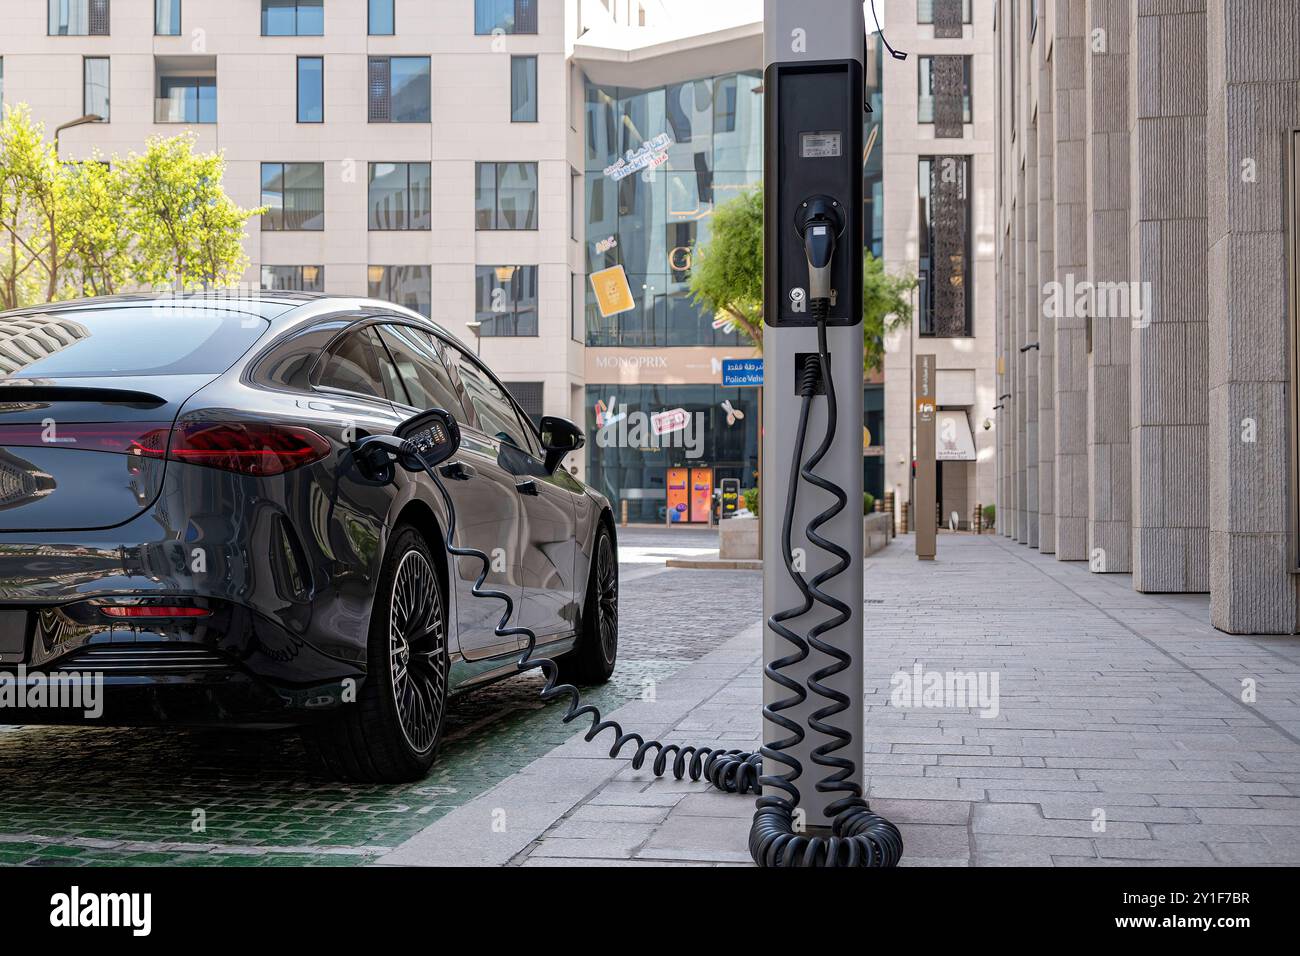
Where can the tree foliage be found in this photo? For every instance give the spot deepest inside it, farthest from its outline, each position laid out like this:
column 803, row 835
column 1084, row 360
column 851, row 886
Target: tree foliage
column 157, row 218
column 727, row 279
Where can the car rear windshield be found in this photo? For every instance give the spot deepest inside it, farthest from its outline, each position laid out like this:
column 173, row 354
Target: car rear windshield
column 135, row 340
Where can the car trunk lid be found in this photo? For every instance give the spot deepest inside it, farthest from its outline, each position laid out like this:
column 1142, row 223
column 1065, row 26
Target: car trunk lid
column 85, row 453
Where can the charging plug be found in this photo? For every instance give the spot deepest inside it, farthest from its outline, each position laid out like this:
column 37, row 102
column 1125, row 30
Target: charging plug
column 820, row 222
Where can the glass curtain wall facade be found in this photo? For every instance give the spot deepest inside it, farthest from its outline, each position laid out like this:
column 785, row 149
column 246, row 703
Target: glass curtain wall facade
column 686, row 149
column 628, row 462
column 658, row 163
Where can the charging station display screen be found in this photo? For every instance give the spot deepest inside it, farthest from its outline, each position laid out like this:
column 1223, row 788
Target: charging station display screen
column 821, row 145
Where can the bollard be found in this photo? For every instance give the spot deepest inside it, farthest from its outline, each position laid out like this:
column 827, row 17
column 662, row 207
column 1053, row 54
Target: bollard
column 623, row 508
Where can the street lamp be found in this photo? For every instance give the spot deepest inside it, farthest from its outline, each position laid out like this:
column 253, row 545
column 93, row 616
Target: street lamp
column 476, row 327
column 79, row 121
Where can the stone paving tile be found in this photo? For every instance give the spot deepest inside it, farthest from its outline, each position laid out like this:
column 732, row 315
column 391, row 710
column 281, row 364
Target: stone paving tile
column 260, row 792
column 605, row 813
column 1108, row 701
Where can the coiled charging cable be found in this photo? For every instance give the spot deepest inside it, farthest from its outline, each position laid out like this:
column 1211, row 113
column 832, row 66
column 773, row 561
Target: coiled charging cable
column 858, row 837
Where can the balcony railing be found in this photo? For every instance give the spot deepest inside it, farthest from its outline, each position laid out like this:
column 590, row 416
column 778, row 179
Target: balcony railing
column 182, row 110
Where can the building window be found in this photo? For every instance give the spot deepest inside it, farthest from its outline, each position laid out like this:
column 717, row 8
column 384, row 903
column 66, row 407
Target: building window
column 575, row 203
column 944, row 93
column 293, row 278
column 505, row 16
column 523, row 89
column 506, row 300
column 577, row 306
column 167, row 18
column 399, row 196
column 186, row 99
column 505, row 196
column 95, row 97
column 944, row 271
column 78, row 18
column 407, row 286
column 635, row 471
column 293, row 18
column 530, row 396
column 295, row 196
column 943, row 14
column 381, row 22
column 311, row 89
column 398, row 89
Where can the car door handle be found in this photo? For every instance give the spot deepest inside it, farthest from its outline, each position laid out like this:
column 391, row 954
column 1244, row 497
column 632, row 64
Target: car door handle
column 527, row 488
column 458, row 471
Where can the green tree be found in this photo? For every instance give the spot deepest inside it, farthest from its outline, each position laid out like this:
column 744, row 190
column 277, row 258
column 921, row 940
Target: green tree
column 159, row 218
column 727, row 279
column 98, row 238
column 30, row 199
column 187, row 232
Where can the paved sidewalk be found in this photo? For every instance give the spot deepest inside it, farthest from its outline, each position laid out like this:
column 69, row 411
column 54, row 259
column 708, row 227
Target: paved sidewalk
column 1121, row 737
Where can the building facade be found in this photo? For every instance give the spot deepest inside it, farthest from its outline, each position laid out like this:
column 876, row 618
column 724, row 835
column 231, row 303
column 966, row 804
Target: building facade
column 938, row 224
column 471, row 159
column 1146, row 293
column 423, row 151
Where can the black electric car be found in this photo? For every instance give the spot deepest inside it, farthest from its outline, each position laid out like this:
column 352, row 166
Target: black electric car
column 183, row 517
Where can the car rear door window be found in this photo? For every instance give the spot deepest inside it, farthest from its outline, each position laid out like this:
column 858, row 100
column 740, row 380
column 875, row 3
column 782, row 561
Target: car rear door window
column 359, row 364
column 496, row 416
column 426, row 379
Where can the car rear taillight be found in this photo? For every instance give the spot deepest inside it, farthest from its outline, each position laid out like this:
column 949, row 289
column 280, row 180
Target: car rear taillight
column 121, row 437
column 249, row 448
column 153, row 610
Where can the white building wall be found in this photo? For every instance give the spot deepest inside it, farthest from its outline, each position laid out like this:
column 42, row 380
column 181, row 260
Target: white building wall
column 256, row 110
column 905, row 141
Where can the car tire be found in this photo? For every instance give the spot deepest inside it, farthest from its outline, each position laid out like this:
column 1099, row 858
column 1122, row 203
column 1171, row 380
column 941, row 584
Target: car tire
column 392, row 731
column 593, row 658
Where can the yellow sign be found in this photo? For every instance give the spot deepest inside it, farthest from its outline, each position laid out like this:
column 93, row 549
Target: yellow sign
column 925, row 409
column 613, row 294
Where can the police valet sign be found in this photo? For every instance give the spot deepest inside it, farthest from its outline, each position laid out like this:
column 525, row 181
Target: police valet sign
column 742, row 373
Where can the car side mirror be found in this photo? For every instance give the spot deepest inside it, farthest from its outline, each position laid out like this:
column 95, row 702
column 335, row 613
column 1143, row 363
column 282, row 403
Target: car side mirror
column 559, row 437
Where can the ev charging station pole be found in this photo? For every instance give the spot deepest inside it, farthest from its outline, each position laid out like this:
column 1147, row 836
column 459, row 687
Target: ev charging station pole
column 814, row 103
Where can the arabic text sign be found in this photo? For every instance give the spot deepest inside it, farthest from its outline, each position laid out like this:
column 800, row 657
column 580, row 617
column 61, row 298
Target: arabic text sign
column 650, row 155
column 742, row 373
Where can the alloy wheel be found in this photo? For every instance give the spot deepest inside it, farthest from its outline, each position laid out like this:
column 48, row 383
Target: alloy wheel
column 417, row 645
column 607, row 599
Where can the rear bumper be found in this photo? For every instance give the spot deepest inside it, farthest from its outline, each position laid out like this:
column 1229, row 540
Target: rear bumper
column 280, row 645
column 232, row 667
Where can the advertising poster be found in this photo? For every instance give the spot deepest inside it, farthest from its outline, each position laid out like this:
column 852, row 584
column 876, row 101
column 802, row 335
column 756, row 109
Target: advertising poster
column 701, row 494
column 679, row 499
